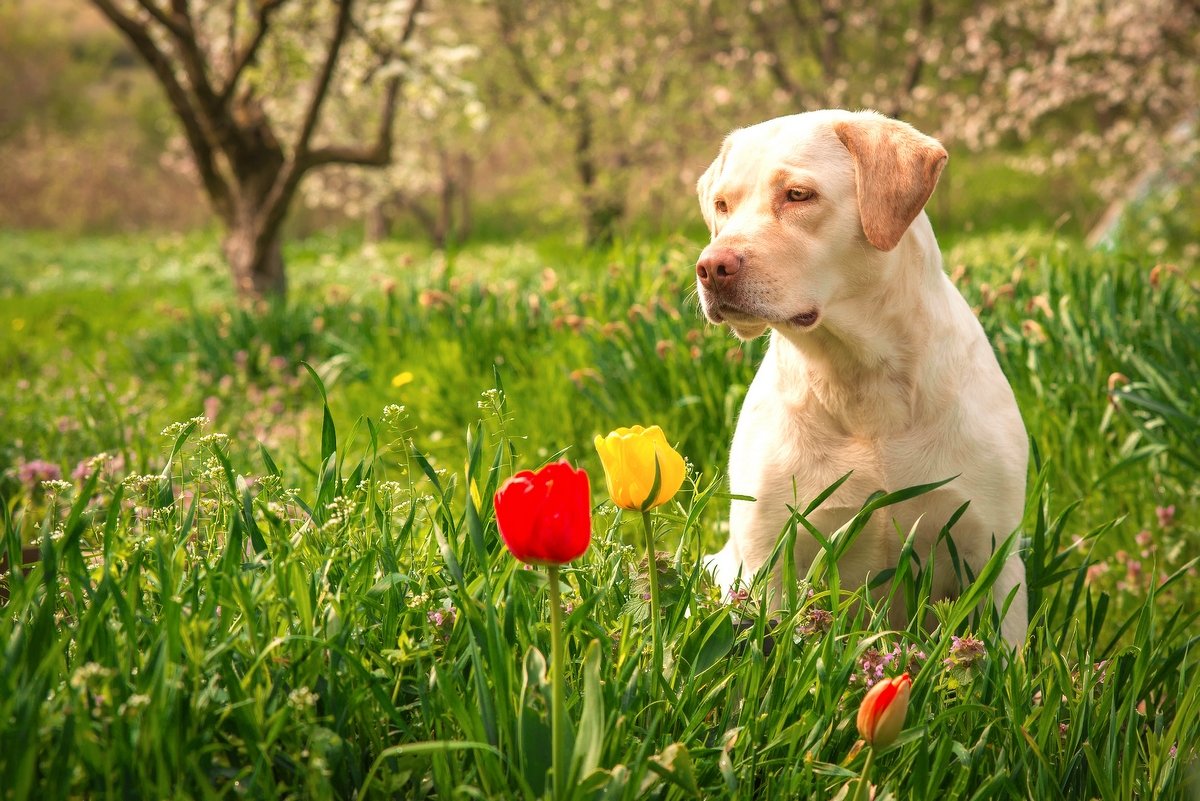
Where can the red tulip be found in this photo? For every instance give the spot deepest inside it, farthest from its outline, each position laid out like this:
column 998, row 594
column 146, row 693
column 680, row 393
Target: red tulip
column 881, row 716
column 545, row 517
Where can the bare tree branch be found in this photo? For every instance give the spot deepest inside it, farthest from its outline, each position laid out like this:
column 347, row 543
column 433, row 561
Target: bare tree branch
column 804, row 23
column 525, row 71
column 216, row 113
column 832, row 23
column 378, row 153
column 247, row 55
column 779, row 71
column 163, row 18
column 379, row 47
column 374, row 155
column 231, row 34
column 916, row 61
column 321, row 84
column 189, row 53
column 185, row 105
column 303, row 158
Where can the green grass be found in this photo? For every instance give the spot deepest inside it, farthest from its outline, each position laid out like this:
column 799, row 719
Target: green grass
column 301, row 599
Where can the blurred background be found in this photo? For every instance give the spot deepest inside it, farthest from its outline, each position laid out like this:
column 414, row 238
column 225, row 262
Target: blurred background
column 519, row 118
column 430, row 201
column 425, row 198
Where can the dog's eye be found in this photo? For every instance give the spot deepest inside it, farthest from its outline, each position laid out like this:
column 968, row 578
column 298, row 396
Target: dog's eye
column 722, row 207
column 795, row 195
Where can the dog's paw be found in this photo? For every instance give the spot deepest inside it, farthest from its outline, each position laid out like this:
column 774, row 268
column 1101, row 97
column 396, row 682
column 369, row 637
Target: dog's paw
column 725, row 567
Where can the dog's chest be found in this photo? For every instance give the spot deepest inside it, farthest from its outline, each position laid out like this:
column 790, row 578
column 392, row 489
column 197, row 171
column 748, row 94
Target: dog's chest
column 787, row 453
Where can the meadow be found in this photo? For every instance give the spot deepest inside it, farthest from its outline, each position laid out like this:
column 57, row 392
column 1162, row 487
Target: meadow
column 267, row 564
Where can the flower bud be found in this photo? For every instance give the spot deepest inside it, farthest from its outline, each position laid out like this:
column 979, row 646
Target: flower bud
column 881, row 716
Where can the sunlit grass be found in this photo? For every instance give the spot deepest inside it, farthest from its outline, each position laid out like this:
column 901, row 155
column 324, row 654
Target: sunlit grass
column 288, row 598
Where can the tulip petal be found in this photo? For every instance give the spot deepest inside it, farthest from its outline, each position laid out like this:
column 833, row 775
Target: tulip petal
column 641, row 468
column 881, row 715
column 545, row 516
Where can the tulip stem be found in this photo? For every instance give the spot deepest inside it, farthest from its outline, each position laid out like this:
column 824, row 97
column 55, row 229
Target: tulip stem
column 558, row 699
column 863, row 791
column 655, row 615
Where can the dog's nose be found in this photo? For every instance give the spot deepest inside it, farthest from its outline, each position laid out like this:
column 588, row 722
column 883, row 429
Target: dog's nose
column 718, row 266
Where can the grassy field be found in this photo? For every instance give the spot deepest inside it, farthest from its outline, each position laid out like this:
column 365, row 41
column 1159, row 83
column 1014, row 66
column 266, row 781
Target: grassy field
column 256, row 581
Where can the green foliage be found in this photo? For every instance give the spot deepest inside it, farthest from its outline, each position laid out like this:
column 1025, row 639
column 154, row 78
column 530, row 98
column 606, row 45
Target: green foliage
column 306, row 596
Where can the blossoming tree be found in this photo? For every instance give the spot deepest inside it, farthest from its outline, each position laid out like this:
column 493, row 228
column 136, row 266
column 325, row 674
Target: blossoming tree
column 617, row 81
column 1115, row 85
column 428, row 179
column 253, row 82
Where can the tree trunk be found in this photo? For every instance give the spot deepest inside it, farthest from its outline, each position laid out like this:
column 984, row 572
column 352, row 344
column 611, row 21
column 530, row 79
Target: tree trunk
column 603, row 209
column 256, row 261
column 467, row 167
column 603, row 214
column 378, row 225
column 446, row 202
column 249, row 176
column 252, row 224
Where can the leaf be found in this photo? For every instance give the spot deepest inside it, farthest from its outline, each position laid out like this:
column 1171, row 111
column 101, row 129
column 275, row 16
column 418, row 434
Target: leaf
column 187, row 431
column 428, row 747
column 589, row 742
column 533, row 727
column 606, row 784
column 675, row 765
column 256, row 537
column 386, row 583
column 326, row 489
column 725, row 760
column 709, row 642
column 428, row 470
column 73, row 528
column 268, row 462
column 328, row 432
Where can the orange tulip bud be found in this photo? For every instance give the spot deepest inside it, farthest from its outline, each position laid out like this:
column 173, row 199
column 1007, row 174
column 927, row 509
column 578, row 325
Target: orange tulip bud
column 881, row 716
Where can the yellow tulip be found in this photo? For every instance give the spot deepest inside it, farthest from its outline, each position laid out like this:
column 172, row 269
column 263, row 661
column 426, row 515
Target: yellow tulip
column 628, row 456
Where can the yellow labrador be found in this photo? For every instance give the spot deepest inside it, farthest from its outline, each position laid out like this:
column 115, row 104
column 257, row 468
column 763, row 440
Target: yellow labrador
column 876, row 364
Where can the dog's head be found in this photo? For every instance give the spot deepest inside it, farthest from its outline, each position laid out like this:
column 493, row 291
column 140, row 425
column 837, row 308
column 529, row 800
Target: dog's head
column 803, row 210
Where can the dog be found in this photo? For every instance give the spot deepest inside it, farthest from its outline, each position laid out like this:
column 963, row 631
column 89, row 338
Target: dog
column 876, row 366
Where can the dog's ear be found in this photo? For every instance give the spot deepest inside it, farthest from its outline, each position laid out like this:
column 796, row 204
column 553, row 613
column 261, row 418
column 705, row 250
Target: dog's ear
column 704, row 186
column 895, row 168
